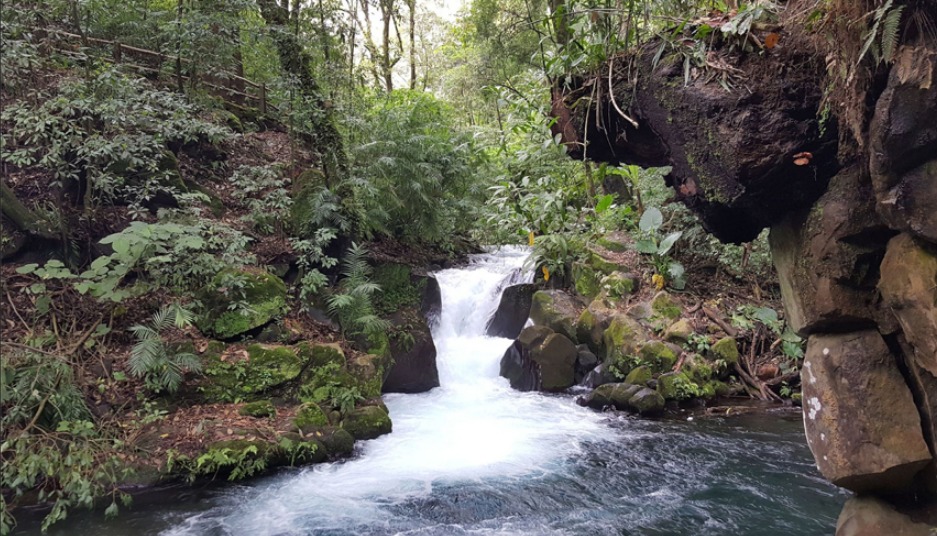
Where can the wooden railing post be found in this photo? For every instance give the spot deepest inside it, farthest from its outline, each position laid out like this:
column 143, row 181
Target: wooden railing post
column 263, row 98
column 118, row 53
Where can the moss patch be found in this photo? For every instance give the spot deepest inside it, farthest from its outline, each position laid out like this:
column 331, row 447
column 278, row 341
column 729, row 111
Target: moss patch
column 368, row 422
column 259, row 409
column 310, row 417
column 726, row 349
column 263, row 293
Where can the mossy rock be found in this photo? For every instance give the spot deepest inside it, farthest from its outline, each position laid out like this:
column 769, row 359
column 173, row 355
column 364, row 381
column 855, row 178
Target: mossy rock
column 726, row 349
column 604, row 265
column 617, row 241
column 369, row 371
column 367, row 422
column 297, row 449
column 658, row 356
column 621, row 339
column 309, row 418
column 248, row 377
column 239, row 458
column 663, row 305
column 618, row 285
column 338, row 442
column 318, row 355
column 675, row 386
column 679, row 332
column 586, row 280
column 639, row 376
column 555, row 310
column 698, row 370
column 592, row 323
column 264, row 294
column 260, row 409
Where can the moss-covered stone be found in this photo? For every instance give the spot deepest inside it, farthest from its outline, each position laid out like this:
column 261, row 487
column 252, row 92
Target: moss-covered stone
column 367, row 422
column 618, row 285
column 555, row 310
column 698, row 370
column 259, row 409
column 676, row 386
column 659, row 356
column 586, row 280
column 621, row 339
column 618, row 241
column 246, row 374
column 639, row 376
column 679, row 332
column 726, row 349
column 318, row 355
column 310, row 417
column 297, row 449
column 663, row 305
column 263, row 293
column 338, row 442
column 592, row 323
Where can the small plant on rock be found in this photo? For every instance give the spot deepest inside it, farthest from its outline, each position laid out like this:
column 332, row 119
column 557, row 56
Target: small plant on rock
column 658, row 247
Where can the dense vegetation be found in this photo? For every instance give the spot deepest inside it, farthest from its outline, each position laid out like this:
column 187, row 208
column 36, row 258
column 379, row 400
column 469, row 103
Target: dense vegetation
column 154, row 149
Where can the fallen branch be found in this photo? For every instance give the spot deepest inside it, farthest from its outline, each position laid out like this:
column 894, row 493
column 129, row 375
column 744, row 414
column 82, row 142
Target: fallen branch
column 712, row 315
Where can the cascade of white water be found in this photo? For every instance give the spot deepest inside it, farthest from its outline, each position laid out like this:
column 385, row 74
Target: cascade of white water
column 474, row 426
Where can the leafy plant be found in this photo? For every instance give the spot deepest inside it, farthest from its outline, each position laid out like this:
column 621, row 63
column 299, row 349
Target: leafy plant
column 881, row 39
column 353, row 304
column 658, row 247
column 162, row 368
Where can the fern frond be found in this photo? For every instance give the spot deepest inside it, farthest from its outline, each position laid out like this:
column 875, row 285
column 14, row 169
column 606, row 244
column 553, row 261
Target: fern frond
column 891, row 28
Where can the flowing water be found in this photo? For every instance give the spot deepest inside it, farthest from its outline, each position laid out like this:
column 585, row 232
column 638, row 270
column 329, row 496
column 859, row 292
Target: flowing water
column 475, row 457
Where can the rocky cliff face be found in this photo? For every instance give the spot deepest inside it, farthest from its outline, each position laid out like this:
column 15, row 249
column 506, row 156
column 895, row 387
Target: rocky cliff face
column 854, row 242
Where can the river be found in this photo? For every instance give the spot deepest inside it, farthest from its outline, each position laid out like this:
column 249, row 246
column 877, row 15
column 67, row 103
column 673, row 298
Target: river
column 474, row 457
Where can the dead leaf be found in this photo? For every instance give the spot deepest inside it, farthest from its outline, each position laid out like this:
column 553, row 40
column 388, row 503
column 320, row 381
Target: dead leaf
column 771, row 40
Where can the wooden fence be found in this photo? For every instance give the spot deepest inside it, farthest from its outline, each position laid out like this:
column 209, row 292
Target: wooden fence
column 229, row 86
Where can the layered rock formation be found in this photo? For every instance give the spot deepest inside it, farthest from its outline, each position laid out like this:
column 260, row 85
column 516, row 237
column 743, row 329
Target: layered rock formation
column 854, row 242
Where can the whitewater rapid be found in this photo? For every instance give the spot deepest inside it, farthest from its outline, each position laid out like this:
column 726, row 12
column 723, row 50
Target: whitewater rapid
column 471, row 428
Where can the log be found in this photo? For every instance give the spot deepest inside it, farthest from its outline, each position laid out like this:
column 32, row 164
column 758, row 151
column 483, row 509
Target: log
column 22, row 217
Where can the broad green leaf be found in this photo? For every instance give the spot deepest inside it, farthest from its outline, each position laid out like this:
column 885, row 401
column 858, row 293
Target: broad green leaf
column 646, row 246
column 651, row 220
column 604, row 202
column 667, row 243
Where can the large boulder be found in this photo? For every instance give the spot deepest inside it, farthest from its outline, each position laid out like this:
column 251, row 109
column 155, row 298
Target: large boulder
column 367, row 422
column 513, row 311
column 903, row 140
column 909, row 289
column 868, row 516
column 540, row 360
column 413, row 355
column 732, row 151
column 592, row 323
column 262, row 294
column 859, row 414
column 625, row 397
column 828, row 259
column 622, row 339
column 556, row 310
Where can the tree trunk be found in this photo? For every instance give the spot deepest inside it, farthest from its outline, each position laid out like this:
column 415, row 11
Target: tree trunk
column 297, row 63
column 22, row 217
column 412, row 6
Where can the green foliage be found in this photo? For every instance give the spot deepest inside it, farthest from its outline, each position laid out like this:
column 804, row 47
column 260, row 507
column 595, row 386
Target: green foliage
column 49, row 442
column 881, row 39
column 326, row 386
column 557, row 252
column 110, row 132
column 658, row 247
column 239, row 459
column 162, row 368
column 353, row 304
column 175, row 255
column 412, row 174
column 261, row 190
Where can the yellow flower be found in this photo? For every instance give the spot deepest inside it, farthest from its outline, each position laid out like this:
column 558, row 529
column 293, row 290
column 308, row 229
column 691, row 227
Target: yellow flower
column 530, row 238
column 546, row 274
column 658, row 281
